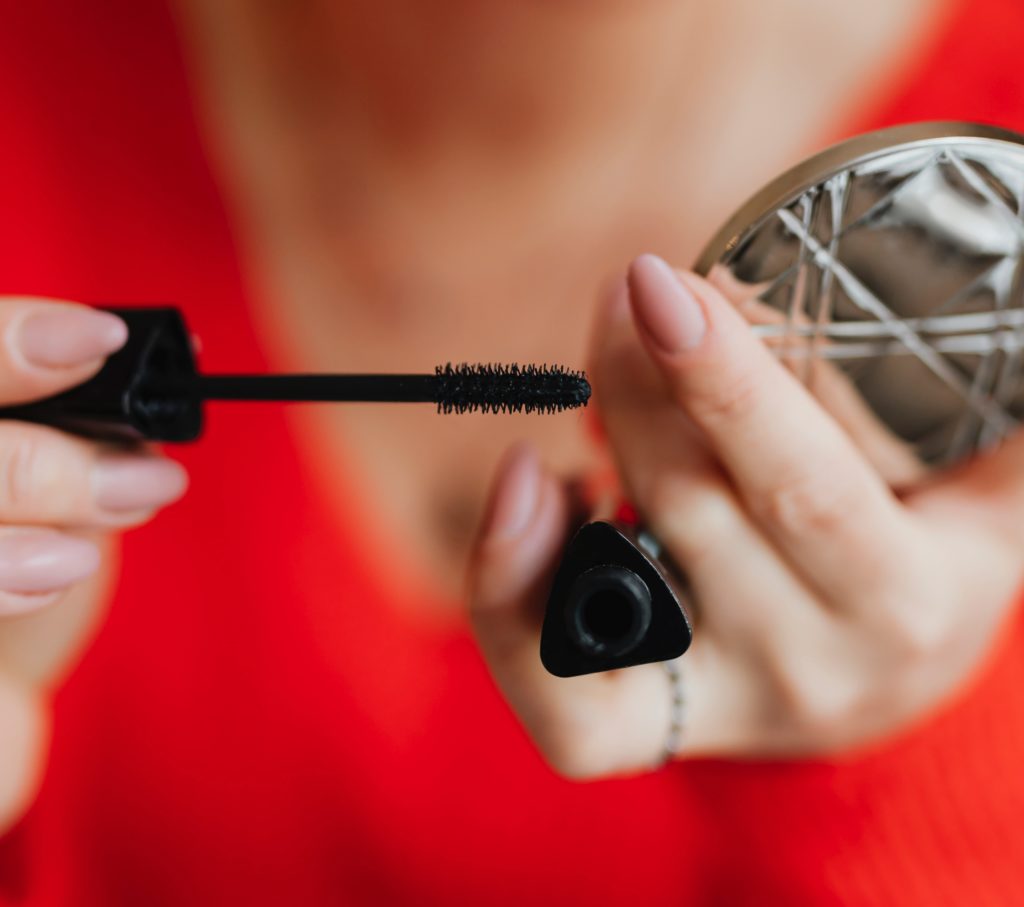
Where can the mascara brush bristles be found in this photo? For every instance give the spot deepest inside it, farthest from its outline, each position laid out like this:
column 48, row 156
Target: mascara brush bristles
column 494, row 388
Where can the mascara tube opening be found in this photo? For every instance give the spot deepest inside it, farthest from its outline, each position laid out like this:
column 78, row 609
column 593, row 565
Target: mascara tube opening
column 608, row 611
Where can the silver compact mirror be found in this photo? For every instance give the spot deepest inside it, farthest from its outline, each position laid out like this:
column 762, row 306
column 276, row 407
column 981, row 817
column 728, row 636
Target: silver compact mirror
column 886, row 274
column 891, row 265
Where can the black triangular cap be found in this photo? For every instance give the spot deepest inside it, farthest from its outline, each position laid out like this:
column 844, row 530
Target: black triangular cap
column 146, row 390
column 611, row 606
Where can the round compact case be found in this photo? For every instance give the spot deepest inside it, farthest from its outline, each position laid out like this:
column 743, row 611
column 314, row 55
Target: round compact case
column 889, row 264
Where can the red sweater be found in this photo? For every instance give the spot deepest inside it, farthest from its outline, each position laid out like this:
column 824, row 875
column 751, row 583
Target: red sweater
column 257, row 722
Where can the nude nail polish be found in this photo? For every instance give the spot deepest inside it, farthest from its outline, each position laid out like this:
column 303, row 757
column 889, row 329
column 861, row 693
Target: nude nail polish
column 34, row 560
column 517, row 495
column 63, row 336
column 128, row 482
column 664, row 306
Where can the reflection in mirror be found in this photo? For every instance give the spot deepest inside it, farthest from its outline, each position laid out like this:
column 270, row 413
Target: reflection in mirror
column 891, row 285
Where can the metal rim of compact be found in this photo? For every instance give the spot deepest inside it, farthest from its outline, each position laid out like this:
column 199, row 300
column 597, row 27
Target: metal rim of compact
column 899, row 256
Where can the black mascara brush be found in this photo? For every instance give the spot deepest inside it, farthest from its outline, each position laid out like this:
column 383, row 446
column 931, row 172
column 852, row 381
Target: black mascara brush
column 151, row 390
column 453, row 388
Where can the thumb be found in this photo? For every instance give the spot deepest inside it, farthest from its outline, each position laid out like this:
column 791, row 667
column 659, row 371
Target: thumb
column 584, row 727
column 47, row 346
column 515, row 559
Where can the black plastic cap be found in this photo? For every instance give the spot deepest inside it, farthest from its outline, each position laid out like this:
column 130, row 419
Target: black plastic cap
column 611, row 606
column 146, row 391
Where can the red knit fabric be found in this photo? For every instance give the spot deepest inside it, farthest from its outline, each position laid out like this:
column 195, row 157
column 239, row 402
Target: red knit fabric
column 257, row 723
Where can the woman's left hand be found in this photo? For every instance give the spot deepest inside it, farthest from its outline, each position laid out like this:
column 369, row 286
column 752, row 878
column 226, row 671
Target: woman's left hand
column 830, row 611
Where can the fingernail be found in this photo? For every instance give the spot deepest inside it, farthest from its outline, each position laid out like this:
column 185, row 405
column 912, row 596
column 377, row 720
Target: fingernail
column 43, row 560
column 664, row 306
column 61, row 336
column 518, row 491
column 126, row 482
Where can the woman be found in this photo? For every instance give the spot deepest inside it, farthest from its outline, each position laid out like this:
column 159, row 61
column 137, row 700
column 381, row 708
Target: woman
column 284, row 702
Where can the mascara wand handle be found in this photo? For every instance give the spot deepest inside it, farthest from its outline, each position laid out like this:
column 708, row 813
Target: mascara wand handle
column 145, row 391
column 320, row 388
column 151, row 390
column 460, row 388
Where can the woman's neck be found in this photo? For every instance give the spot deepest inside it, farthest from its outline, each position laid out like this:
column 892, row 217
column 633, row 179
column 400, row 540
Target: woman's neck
column 415, row 182
column 367, row 113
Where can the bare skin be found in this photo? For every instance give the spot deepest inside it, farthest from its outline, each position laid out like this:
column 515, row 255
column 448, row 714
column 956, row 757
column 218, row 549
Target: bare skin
column 398, row 215
column 830, row 613
column 448, row 182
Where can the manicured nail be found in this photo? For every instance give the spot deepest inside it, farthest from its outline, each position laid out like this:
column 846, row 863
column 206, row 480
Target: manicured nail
column 43, row 560
column 127, row 482
column 61, row 336
column 664, row 306
column 518, row 492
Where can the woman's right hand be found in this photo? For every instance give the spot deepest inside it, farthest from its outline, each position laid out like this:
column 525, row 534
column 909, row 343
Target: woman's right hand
column 831, row 613
column 61, row 498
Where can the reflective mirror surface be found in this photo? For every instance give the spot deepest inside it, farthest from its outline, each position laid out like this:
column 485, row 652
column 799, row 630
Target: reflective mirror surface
column 891, row 266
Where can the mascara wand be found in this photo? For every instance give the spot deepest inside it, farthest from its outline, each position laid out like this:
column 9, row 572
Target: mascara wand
column 151, row 390
column 453, row 388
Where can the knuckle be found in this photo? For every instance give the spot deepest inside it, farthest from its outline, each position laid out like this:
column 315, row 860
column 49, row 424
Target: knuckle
column 821, row 707
column 912, row 630
column 813, row 503
column 27, row 472
column 727, row 400
column 816, row 687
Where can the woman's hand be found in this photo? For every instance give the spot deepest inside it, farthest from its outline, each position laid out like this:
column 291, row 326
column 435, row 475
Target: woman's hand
column 60, row 499
column 830, row 611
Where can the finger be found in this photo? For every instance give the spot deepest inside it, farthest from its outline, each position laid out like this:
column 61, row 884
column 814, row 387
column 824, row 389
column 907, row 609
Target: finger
column 37, row 565
column 892, row 458
column 755, row 620
column 40, row 642
column 48, row 346
column 648, row 434
column 795, row 470
column 25, row 731
column 685, row 499
column 51, row 478
column 584, row 726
